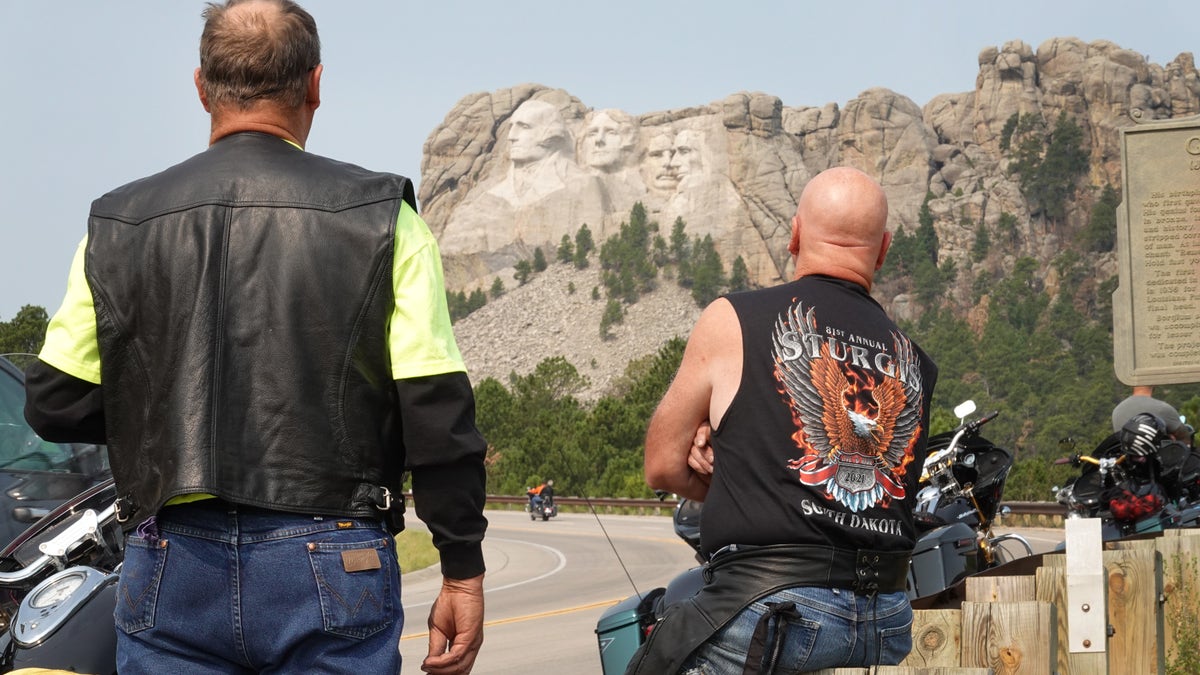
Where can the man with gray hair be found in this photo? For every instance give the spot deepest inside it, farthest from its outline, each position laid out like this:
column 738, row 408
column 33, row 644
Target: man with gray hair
column 260, row 336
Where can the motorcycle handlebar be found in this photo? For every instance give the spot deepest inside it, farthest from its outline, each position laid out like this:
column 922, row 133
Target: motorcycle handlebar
column 18, row 577
column 1077, row 459
column 974, row 426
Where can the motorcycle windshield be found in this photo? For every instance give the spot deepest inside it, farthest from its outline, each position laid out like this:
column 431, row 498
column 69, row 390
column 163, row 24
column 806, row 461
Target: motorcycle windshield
column 24, row 549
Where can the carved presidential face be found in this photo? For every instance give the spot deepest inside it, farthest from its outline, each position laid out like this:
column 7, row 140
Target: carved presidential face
column 607, row 141
column 687, row 157
column 657, row 167
column 535, row 131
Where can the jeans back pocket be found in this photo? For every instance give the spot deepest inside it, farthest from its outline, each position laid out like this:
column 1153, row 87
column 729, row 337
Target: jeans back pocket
column 357, row 585
column 137, row 588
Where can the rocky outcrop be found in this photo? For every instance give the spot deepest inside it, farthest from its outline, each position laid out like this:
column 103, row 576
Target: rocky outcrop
column 519, row 168
column 554, row 314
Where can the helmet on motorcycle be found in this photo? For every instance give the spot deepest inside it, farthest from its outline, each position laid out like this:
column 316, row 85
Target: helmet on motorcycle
column 550, row 482
column 1141, row 434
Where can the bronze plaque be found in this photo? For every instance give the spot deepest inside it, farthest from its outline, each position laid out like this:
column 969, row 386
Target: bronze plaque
column 1156, row 307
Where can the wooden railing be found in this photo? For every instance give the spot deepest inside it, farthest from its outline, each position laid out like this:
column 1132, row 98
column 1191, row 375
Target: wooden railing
column 1015, row 619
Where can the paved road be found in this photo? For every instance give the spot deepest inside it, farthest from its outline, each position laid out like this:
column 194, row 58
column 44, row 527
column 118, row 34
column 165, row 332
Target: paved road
column 1041, row 539
column 547, row 585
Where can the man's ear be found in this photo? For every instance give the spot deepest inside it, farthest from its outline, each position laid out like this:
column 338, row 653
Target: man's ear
column 794, row 242
column 200, row 90
column 313, row 98
column 883, row 249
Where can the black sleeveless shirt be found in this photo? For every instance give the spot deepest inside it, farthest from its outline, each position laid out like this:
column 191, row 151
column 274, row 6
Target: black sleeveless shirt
column 824, row 441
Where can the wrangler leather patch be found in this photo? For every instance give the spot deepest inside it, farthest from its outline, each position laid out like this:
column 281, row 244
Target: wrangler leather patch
column 360, row 560
column 345, row 524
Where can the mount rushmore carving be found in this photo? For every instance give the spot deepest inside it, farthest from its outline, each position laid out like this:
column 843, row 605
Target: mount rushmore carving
column 516, row 169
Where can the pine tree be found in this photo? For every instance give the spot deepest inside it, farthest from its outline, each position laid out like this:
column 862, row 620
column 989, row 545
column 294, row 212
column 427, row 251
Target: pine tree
column 456, row 305
column 679, row 241
column 523, row 270
column 983, row 241
column 708, row 275
column 566, row 250
column 739, row 275
column 1101, row 231
column 584, row 245
column 477, row 300
column 614, row 313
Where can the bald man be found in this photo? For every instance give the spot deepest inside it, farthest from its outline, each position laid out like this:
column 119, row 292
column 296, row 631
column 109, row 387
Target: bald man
column 819, row 410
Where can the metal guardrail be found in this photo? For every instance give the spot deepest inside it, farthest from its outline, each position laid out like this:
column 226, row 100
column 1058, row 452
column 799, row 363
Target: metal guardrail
column 1018, row 508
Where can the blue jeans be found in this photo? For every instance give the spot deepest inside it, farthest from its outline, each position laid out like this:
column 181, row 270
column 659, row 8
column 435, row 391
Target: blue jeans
column 212, row 588
column 831, row 628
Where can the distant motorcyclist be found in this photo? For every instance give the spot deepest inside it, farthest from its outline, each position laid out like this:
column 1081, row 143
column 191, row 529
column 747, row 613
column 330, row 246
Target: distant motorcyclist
column 541, row 493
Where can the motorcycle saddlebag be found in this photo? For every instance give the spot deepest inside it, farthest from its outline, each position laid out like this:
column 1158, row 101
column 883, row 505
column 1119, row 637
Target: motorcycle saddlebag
column 622, row 629
column 942, row 557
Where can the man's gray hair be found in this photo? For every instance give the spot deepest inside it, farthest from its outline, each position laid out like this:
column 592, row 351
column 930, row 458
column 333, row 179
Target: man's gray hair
column 264, row 52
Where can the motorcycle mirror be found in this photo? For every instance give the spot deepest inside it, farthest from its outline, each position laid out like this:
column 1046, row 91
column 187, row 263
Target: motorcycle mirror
column 963, row 409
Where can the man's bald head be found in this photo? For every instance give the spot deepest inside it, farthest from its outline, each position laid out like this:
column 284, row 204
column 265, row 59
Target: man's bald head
column 840, row 226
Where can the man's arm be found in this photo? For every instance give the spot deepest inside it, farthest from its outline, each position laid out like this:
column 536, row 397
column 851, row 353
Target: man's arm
column 701, row 391
column 63, row 398
column 62, row 408
column 445, row 454
column 444, row 449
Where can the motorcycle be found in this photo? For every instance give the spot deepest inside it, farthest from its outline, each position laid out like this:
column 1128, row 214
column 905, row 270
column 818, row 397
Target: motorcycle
column 542, row 507
column 958, row 501
column 1132, row 494
column 58, row 583
column 957, row 504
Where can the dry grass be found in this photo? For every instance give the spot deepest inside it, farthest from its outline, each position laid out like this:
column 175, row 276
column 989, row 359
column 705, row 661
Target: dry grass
column 415, row 550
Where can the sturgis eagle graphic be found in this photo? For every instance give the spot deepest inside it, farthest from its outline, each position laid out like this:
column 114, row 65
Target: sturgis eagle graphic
column 857, row 408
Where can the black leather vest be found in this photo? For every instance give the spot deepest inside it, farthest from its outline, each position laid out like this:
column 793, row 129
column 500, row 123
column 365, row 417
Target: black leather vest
column 242, row 299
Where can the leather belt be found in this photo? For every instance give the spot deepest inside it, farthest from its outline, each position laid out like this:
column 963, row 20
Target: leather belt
column 863, row 571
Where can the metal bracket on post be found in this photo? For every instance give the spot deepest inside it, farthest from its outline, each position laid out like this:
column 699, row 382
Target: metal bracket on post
column 1087, row 611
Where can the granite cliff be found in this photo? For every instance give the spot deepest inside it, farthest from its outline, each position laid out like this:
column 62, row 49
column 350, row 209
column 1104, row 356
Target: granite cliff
column 516, row 169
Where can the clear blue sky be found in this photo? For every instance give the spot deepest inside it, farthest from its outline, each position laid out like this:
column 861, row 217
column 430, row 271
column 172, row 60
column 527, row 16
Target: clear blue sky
column 99, row 93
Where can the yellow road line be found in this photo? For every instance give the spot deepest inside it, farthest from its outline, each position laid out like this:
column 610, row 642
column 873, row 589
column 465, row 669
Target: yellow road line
column 593, row 535
column 530, row 617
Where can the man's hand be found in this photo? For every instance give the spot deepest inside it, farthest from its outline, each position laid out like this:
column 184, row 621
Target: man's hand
column 700, row 456
column 455, row 627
